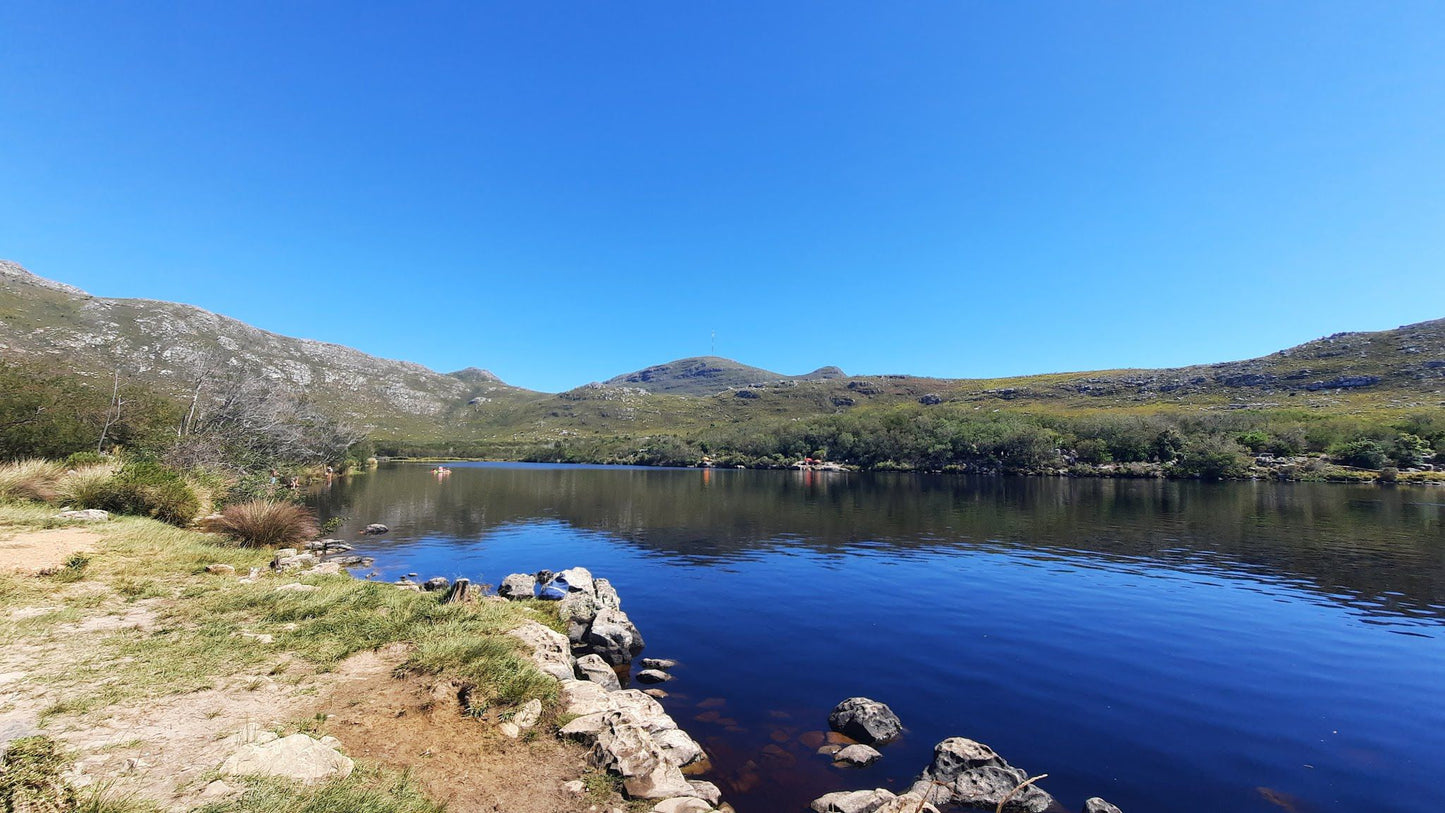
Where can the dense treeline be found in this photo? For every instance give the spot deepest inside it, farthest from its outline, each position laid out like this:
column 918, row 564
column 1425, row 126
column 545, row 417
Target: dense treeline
column 1191, row 445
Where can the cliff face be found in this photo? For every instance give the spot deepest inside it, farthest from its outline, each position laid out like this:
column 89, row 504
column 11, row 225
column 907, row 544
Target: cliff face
column 168, row 345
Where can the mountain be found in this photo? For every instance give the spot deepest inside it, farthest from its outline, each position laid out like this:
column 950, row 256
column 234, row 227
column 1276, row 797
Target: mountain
column 707, row 375
column 168, row 345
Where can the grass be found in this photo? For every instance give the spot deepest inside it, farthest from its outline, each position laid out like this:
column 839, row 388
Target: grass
column 267, row 524
column 195, row 642
column 31, row 479
column 84, row 488
column 367, row 790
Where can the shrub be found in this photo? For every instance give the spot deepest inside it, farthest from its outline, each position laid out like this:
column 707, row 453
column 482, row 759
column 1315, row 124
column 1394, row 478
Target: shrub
column 1213, row 459
column 81, row 460
column 31, row 479
column 1362, row 454
column 1255, row 440
column 267, row 523
column 1409, row 451
column 152, row 490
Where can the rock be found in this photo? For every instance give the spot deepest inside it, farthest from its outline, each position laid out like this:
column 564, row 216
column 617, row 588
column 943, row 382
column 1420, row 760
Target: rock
column 551, row 653
column 85, row 515
column 294, row 562
column 853, row 801
column 1097, row 805
column 217, row 790
column 297, row 587
column 658, row 663
column 528, row 715
column 518, row 586
column 577, row 610
column 327, row 546
column 678, row 747
column 510, row 729
column 657, row 693
column 706, row 791
column 613, row 636
column 907, row 803
column 867, row 721
column 971, row 774
column 437, row 583
column 282, row 553
column 350, row 561
column 593, row 668
column 330, row 742
column 326, row 569
column 682, row 804
column 858, row 755
column 930, row 399
column 578, row 579
column 576, row 787
column 607, row 594
column 375, row 529
column 653, row 676
column 625, row 747
column 297, row 757
column 221, row 570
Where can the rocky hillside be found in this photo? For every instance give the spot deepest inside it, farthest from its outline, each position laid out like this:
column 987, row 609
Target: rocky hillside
column 169, row 345
column 707, row 375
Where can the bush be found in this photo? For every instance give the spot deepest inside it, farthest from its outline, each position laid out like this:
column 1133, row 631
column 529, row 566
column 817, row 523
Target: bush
column 1213, row 459
column 1409, row 451
column 1362, row 454
column 267, row 524
column 151, row 490
column 31, row 479
column 81, row 460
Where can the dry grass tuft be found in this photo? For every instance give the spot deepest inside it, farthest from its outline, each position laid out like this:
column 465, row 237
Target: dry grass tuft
column 84, row 488
column 30, row 479
column 267, row 524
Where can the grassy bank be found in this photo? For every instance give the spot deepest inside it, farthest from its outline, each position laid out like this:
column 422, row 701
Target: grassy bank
column 70, row 628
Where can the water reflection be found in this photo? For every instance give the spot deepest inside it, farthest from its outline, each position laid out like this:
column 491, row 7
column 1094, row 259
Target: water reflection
column 1379, row 551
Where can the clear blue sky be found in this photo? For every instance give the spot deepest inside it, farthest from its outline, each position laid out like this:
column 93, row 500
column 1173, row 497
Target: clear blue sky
column 565, row 191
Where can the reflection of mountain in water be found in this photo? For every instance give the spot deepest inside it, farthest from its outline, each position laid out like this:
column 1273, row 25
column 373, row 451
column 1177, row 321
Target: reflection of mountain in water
column 1378, row 549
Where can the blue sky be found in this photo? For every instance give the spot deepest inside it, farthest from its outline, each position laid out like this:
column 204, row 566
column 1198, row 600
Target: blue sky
column 561, row 192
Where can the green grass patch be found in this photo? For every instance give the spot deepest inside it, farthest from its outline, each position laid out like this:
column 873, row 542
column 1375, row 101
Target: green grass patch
column 367, row 790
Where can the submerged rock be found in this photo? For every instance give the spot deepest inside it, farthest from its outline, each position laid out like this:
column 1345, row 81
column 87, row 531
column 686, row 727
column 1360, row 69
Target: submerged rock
column 375, row 529
column 865, row 720
column 857, row 755
column 653, row 676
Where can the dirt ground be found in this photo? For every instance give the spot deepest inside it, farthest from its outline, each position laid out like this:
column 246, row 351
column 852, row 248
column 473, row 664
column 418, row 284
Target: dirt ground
column 465, row 763
column 34, row 551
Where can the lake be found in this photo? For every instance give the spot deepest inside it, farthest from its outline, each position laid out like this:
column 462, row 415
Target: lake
column 1167, row 645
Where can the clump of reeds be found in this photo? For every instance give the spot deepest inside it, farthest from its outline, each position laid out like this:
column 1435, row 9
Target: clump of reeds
column 30, row 479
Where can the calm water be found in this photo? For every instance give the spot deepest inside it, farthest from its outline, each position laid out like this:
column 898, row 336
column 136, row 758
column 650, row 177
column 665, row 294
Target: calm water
column 1168, row 646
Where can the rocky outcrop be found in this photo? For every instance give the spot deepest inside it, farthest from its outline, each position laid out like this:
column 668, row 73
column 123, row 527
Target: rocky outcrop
column 867, row 721
column 971, row 774
column 878, row 800
column 593, row 668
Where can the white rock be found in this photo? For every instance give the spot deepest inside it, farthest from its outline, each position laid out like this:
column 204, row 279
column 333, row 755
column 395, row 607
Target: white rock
column 529, row 714
column 858, row 754
column 85, row 515
column 682, row 804
column 510, row 730
column 296, row 757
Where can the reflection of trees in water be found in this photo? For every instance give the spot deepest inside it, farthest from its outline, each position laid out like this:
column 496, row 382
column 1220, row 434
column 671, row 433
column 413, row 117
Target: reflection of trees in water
column 1377, row 548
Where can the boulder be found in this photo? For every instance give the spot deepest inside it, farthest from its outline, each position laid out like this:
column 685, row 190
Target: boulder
column 436, row 583
column 706, row 791
column 853, row 801
column 682, row 804
column 577, row 611
column 607, row 594
column 857, row 755
column 375, row 529
column 613, row 636
column 297, row 757
column 968, row 773
column 678, row 747
column 653, row 676
column 577, row 579
column 625, row 747
column 1097, row 805
column 593, row 668
column 550, row 651
column 658, row 663
column 907, row 803
column 518, row 586
column 865, row 720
